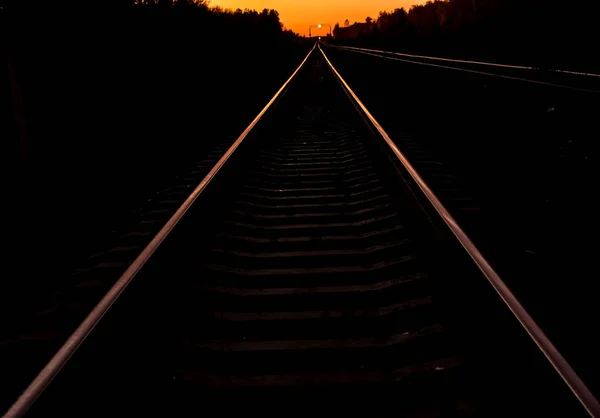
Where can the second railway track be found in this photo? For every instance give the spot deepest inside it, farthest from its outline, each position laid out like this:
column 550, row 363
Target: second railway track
column 310, row 277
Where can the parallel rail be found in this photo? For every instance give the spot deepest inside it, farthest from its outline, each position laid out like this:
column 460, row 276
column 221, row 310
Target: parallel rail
column 310, row 200
column 395, row 56
column 458, row 61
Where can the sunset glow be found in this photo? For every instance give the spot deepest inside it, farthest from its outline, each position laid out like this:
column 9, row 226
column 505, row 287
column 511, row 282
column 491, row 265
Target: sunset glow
column 298, row 15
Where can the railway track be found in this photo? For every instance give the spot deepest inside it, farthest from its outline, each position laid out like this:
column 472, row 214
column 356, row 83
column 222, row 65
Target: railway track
column 310, row 276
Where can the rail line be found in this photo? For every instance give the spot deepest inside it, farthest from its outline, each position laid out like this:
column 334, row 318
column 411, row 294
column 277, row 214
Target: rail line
column 483, row 63
column 394, row 57
column 313, row 269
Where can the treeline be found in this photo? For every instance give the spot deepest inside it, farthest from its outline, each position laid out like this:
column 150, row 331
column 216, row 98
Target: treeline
column 197, row 16
column 529, row 31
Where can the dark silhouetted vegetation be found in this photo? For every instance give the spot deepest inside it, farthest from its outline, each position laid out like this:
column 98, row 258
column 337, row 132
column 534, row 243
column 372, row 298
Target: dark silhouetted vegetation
column 118, row 96
column 529, row 31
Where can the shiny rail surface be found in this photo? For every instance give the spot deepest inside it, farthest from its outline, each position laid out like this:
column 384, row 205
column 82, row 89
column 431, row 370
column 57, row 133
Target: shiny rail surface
column 310, row 273
column 576, row 385
column 48, row 373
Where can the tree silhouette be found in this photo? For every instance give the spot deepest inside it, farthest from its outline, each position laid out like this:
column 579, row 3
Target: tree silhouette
column 336, row 29
column 531, row 31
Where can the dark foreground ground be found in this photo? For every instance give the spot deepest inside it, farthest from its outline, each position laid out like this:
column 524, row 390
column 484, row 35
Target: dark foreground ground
column 521, row 156
column 317, row 281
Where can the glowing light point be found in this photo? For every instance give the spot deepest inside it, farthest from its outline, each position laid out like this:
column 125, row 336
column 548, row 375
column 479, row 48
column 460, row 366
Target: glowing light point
column 319, row 26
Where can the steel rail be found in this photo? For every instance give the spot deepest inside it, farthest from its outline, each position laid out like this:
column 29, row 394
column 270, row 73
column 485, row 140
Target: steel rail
column 53, row 367
column 491, row 64
column 564, row 369
column 466, row 70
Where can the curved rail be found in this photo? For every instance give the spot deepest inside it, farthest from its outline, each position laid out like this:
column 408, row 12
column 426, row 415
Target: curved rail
column 43, row 379
column 466, row 70
column 490, row 64
column 564, row 369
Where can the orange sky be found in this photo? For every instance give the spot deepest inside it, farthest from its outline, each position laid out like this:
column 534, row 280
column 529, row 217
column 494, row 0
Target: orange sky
column 297, row 15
